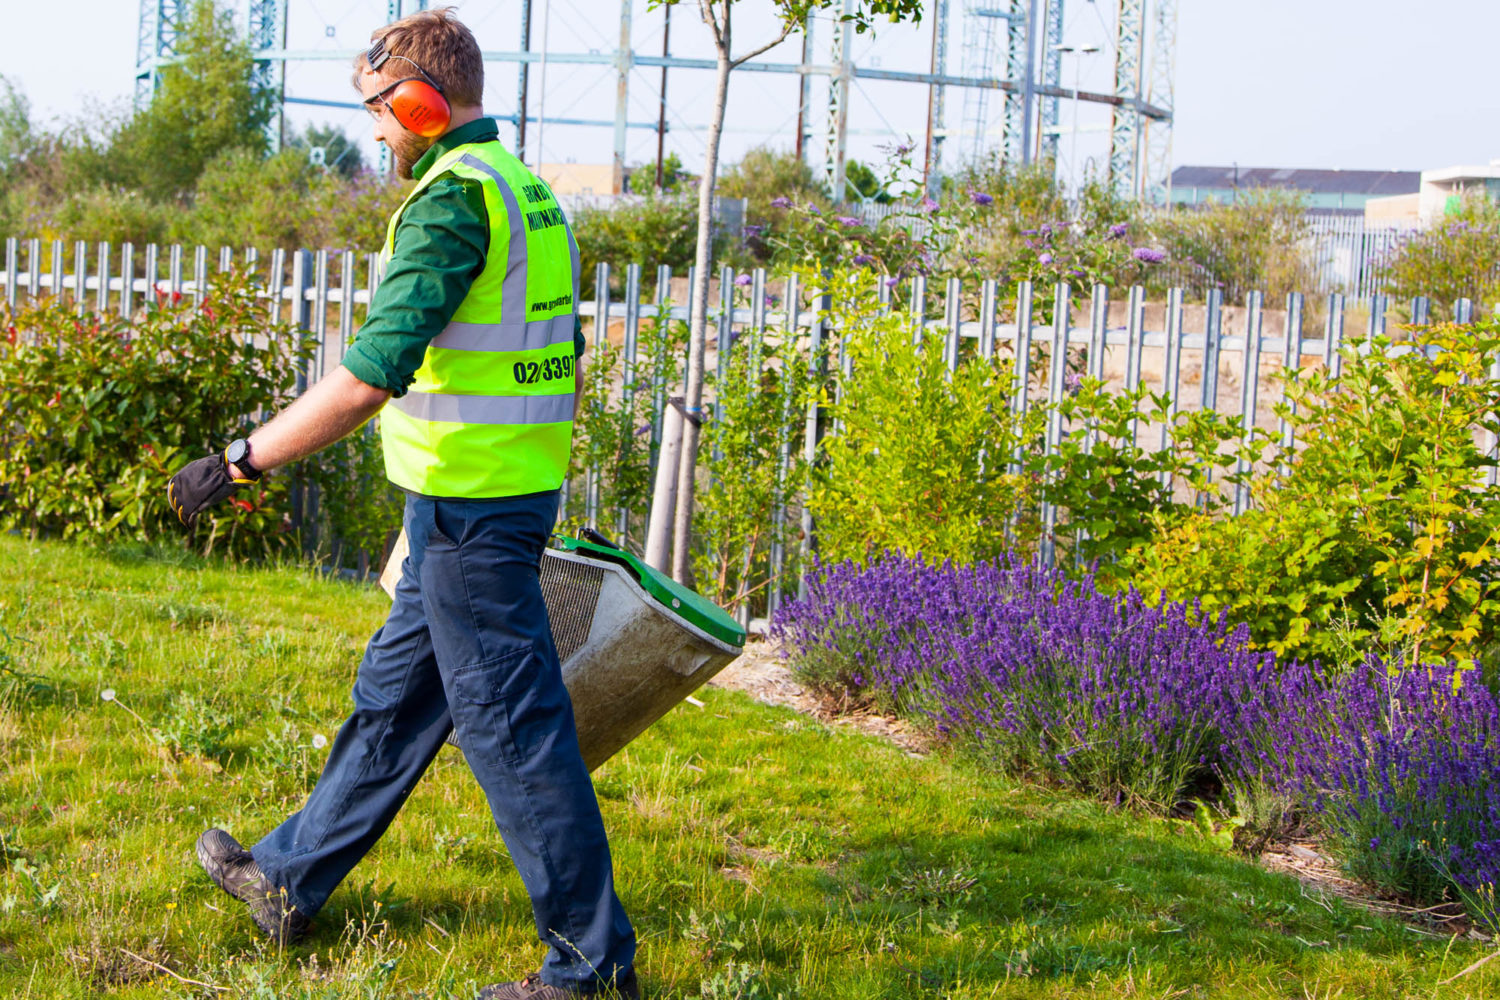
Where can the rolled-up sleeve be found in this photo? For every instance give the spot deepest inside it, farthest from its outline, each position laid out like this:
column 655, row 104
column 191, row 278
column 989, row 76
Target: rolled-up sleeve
column 440, row 247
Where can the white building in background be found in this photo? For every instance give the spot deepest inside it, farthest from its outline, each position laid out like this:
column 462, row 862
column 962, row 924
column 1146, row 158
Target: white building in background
column 1438, row 194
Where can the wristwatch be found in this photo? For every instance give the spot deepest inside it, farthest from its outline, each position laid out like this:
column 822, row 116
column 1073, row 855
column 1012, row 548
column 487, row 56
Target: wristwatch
column 238, row 455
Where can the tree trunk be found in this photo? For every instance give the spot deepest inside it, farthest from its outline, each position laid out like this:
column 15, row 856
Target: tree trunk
column 682, row 537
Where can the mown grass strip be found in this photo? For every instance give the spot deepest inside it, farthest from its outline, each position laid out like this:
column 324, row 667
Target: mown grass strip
column 759, row 853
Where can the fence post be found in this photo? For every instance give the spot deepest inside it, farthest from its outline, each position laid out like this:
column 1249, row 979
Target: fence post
column 1248, row 391
column 1333, row 336
column 815, row 370
column 1056, row 368
column 627, row 369
column 724, row 339
column 226, row 259
column 55, row 279
column 1291, row 357
column 918, row 307
column 1134, row 341
column 174, row 270
column 1419, row 310
column 33, row 269
column 1212, row 331
column 783, row 456
column 1022, row 343
column 952, row 320
column 592, row 490
column 1493, row 473
column 101, row 300
column 1171, row 367
column 987, row 295
column 658, row 381
column 127, row 281
column 80, row 276
column 298, row 316
column 200, row 273
column 1463, row 311
column 346, row 303
column 12, row 271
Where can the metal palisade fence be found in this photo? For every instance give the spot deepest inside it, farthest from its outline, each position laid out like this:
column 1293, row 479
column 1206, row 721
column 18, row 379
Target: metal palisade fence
column 1211, row 355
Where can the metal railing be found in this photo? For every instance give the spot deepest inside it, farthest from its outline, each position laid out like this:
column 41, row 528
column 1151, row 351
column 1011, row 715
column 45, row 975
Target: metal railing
column 1128, row 341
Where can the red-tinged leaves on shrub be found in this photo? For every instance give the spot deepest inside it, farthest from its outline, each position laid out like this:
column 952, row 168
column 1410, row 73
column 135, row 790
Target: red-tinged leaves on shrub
column 242, row 504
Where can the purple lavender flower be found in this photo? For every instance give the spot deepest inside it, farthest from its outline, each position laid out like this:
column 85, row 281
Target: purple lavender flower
column 848, row 221
column 892, row 281
column 1147, row 255
column 980, row 198
column 744, row 281
column 1046, row 229
column 927, row 204
column 751, row 231
column 1118, row 231
column 781, row 201
column 1072, row 382
column 1044, row 259
column 863, row 260
column 772, row 301
column 814, row 209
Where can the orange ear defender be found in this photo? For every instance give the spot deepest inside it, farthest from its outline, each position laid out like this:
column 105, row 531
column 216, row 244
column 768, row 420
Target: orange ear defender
column 417, row 103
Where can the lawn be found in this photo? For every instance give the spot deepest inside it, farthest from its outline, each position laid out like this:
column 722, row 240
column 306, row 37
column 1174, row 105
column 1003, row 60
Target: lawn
column 760, row 853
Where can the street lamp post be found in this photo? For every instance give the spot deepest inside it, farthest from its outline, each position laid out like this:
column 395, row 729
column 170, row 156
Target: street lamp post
column 1077, row 52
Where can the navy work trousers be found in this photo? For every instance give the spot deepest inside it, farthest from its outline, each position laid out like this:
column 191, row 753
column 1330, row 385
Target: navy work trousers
column 467, row 644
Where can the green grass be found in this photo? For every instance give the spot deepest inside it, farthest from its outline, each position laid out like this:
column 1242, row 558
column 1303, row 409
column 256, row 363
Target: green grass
column 759, row 853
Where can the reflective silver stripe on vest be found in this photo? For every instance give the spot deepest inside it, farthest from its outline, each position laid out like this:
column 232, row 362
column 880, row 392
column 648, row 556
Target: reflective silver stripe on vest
column 452, row 408
column 513, row 289
column 534, row 336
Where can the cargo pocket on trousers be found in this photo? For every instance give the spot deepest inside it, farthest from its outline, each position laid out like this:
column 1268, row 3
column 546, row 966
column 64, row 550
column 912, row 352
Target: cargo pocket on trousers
column 494, row 694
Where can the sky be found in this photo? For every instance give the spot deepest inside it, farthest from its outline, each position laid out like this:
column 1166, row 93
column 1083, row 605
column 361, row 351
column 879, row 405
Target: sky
column 1286, row 83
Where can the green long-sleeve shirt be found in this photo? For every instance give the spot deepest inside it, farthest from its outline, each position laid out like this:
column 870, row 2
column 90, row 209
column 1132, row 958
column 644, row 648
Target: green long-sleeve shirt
column 440, row 249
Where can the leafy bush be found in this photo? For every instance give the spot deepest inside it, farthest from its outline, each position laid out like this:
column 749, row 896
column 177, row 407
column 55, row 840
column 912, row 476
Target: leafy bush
column 1457, row 258
column 927, row 461
column 1381, row 529
column 650, row 230
column 101, row 411
column 753, row 445
column 919, row 462
column 1250, row 245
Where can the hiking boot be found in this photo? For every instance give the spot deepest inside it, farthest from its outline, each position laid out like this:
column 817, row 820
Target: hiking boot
column 233, row 869
column 532, row 988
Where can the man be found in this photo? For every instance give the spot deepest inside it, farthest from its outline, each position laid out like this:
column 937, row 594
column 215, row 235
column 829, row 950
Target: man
column 470, row 348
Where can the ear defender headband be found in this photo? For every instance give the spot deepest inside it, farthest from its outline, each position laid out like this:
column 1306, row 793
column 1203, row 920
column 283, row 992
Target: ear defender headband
column 417, row 102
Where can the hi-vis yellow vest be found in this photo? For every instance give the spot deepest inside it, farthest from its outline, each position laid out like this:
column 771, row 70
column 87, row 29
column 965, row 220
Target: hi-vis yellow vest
column 490, row 413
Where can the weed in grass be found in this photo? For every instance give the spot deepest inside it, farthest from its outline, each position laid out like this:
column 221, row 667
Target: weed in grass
column 185, row 615
column 288, row 759
column 934, row 886
column 39, row 893
column 736, row 981
column 195, row 726
column 450, row 847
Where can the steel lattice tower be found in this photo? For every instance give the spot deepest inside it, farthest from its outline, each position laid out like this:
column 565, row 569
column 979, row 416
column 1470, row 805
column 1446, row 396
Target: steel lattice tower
column 1017, row 35
column 1158, row 139
column 980, row 54
column 1052, row 38
column 1125, row 123
column 156, row 42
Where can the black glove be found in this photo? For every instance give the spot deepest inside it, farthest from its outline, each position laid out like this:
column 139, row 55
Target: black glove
column 199, row 485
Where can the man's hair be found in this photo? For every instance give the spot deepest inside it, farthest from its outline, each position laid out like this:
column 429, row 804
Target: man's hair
column 438, row 42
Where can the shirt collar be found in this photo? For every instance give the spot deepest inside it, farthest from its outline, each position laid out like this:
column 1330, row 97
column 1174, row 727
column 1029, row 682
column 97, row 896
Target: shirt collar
column 478, row 130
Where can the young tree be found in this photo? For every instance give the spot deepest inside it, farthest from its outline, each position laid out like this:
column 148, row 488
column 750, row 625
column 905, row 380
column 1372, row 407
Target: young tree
column 339, row 155
column 206, row 105
column 672, row 501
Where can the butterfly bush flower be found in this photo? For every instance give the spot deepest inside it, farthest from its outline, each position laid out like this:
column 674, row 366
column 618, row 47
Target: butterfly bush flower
column 863, row 260
column 1147, row 255
column 927, row 204
column 980, row 198
column 1044, row 259
column 744, row 281
column 848, row 221
column 781, row 202
column 1118, row 231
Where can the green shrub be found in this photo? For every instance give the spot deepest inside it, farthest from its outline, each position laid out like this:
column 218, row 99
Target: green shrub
column 100, row 411
column 1250, row 245
column 1457, row 258
column 1381, row 531
column 919, row 464
column 651, row 230
column 758, row 414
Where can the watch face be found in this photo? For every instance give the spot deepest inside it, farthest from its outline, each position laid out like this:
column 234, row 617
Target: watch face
column 237, row 450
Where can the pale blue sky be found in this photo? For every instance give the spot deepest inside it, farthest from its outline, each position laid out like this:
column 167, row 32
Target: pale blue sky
column 1376, row 84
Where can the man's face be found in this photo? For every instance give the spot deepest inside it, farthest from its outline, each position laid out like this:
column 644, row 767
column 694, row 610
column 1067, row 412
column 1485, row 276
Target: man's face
column 406, row 146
